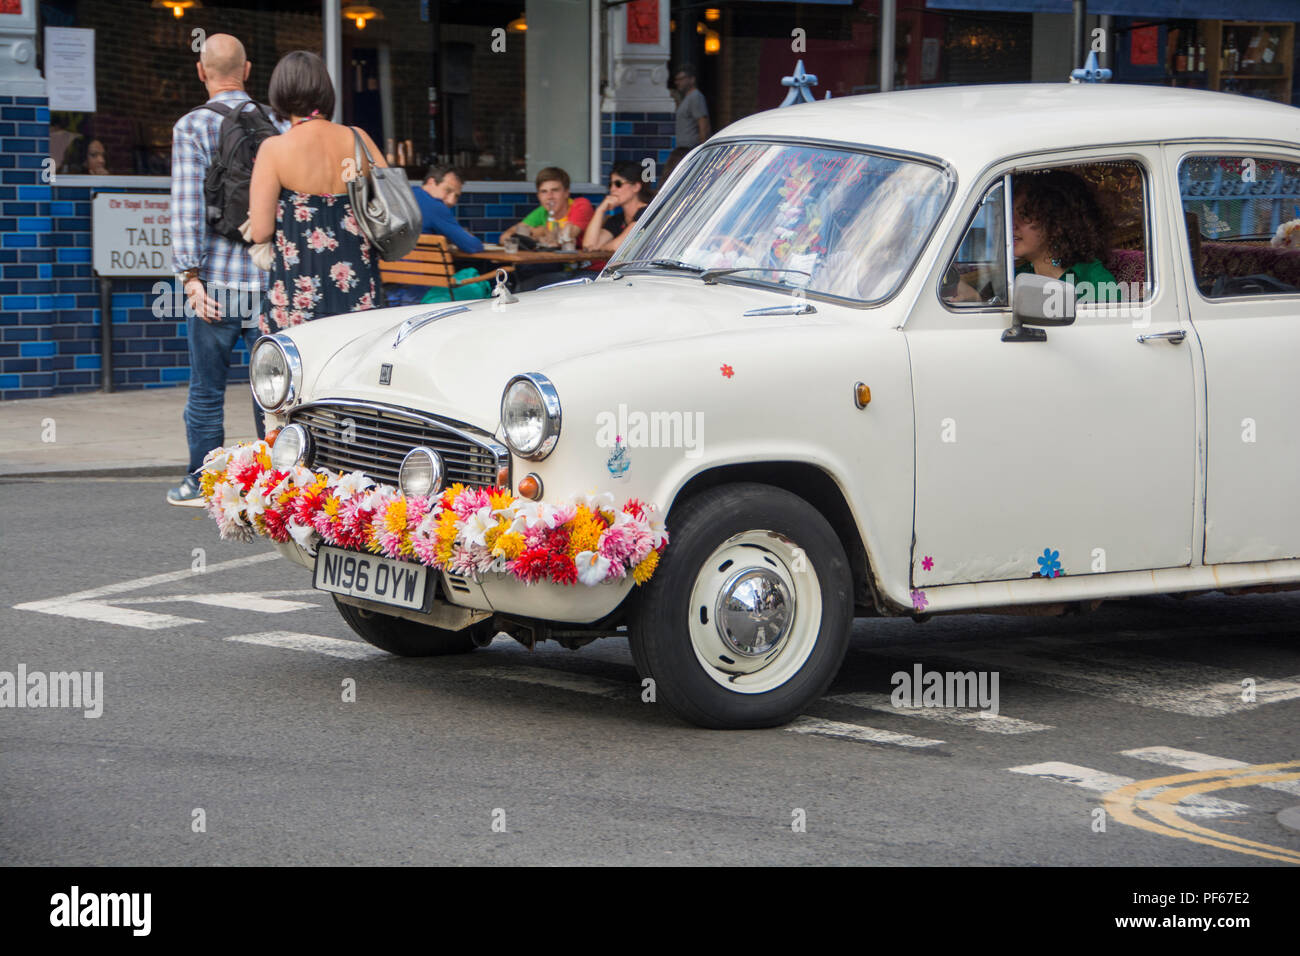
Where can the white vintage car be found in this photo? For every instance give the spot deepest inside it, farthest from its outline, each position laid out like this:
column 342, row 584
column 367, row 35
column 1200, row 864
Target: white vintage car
column 815, row 358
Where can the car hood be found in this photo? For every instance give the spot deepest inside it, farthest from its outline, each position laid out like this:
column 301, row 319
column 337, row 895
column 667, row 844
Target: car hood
column 458, row 365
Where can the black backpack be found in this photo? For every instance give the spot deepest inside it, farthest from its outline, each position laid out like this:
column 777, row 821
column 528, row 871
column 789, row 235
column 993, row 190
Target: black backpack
column 225, row 189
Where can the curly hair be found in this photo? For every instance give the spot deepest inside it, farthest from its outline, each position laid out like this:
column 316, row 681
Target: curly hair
column 1076, row 226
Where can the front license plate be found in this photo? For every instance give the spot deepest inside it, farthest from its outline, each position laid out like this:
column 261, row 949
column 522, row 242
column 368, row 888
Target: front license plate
column 383, row 580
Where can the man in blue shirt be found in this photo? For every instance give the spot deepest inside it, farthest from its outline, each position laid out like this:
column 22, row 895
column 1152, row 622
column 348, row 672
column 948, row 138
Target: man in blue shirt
column 436, row 196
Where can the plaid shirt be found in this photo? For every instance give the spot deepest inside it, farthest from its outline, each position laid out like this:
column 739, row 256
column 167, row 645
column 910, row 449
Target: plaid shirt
column 194, row 245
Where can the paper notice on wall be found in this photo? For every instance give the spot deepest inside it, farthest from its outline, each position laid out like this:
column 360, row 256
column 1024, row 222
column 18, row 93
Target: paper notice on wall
column 70, row 69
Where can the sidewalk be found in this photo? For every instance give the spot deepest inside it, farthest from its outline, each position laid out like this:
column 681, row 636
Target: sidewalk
column 137, row 432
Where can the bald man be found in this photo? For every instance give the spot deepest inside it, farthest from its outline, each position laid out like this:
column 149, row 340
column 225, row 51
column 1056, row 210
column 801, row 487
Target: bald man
column 221, row 284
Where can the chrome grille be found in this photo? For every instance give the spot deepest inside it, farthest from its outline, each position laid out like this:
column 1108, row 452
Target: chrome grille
column 383, row 435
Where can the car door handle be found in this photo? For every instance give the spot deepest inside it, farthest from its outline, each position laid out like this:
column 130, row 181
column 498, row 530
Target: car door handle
column 1173, row 338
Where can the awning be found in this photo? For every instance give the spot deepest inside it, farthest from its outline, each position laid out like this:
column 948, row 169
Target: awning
column 1285, row 10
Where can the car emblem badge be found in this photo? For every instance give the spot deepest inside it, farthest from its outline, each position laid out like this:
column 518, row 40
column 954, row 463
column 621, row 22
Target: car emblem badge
column 618, row 462
column 385, row 374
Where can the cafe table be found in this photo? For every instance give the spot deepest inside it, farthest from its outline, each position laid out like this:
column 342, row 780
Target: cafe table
column 494, row 253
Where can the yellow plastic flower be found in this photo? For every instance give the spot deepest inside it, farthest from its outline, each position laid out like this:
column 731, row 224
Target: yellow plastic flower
column 584, row 531
column 500, row 499
column 509, row 546
column 642, row 572
column 207, row 482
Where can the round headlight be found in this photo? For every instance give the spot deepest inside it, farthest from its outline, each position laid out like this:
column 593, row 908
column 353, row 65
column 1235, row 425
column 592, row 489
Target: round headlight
column 290, row 448
column 274, row 372
column 421, row 472
column 530, row 416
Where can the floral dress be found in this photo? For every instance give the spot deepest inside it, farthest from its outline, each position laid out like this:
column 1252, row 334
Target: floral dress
column 324, row 265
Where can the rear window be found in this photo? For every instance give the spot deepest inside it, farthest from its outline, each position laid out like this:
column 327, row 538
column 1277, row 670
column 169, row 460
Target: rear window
column 1242, row 215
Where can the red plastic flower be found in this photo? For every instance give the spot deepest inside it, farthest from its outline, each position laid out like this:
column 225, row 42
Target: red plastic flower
column 728, row 371
column 563, row 570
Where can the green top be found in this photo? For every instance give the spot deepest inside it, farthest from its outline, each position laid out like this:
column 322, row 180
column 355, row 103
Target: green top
column 1087, row 277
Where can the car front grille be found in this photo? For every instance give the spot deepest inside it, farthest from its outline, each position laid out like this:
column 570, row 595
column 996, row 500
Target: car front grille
column 374, row 439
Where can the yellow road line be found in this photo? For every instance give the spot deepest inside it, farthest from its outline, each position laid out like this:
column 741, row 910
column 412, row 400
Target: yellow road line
column 1124, row 802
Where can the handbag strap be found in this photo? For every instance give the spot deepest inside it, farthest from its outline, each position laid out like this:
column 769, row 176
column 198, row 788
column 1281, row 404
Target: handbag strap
column 358, row 147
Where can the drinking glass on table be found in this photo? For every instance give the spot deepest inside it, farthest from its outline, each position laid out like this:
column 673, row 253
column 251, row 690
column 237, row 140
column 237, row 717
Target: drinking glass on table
column 510, row 244
column 568, row 237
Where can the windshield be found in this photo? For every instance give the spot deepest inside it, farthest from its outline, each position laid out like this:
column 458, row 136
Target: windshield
column 836, row 222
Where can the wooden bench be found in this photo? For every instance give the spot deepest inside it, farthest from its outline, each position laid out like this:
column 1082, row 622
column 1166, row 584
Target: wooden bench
column 431, row 263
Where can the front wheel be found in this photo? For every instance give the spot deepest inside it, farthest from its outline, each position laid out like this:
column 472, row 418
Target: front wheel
column 747, row 619
column 406, row 638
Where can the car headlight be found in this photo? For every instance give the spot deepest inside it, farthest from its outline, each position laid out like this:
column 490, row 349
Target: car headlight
column 421, row 472
column 275, row 372
column 291, row 447
column 530, row 415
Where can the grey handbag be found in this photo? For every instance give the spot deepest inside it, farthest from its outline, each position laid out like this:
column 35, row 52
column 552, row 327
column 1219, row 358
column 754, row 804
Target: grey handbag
column 384, row 205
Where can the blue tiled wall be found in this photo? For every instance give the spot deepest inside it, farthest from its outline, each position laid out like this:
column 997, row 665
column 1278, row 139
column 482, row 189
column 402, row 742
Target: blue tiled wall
column 49, row 296
column 635, row 136
column 29, row 359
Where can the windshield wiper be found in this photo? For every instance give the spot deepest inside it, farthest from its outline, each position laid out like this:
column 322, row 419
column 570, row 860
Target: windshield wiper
column 712, row 275
column 658, row 263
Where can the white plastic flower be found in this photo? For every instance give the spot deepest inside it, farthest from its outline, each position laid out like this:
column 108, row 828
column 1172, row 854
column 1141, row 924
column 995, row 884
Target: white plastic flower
column 230, row 502
column 349, row 484
column 1287, row 235
column 592, row 567
column 304, row 534
column 476, row 527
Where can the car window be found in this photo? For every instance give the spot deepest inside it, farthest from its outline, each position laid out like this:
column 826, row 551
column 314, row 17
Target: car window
column 1242, row 215
column 976, row 276
column 832, row 221
column 1090, row 227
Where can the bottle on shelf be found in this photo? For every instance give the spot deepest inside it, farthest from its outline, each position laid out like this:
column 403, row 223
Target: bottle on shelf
column 1200, row 56
column 1233, row 55
column 1180, row 56
column 1268, row 55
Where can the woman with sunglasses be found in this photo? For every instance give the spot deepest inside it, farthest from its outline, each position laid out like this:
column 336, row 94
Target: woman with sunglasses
column 630, row 194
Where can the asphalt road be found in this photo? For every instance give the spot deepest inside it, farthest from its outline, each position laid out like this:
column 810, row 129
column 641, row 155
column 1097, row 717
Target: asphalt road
column 223, row 692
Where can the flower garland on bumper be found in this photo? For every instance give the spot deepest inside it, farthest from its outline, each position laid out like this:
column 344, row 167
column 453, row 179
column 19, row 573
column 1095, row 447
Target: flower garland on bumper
column 467, row 531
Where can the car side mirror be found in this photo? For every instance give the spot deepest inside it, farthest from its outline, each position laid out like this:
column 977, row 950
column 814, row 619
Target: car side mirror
column 1039, row 301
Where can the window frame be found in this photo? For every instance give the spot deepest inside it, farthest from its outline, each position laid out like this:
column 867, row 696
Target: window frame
column 1017, row 165
column 1230, row 151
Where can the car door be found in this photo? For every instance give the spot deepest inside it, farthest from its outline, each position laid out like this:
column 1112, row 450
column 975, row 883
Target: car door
column 1073, row 455
column 1243, row 294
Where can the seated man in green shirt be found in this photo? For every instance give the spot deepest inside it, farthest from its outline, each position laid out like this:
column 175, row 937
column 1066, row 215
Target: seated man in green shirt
column 557, row 210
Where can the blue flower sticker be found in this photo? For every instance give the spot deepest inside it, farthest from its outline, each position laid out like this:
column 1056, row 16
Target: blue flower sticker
column 1048, row 565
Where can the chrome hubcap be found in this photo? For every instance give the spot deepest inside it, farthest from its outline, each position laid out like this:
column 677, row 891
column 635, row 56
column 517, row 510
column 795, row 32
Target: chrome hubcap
column 753, row 612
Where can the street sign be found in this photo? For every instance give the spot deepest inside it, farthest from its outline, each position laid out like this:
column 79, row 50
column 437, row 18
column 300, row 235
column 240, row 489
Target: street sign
column 131, row 234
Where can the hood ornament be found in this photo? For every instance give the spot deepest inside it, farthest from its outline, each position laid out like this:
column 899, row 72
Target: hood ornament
column 501, row 293
column 420, row 321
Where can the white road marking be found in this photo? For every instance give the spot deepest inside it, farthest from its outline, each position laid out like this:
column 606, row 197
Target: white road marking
column 1191, row 760
column 563, row 680
column 87, row 605
column 1198, row 805
column 261, row 601
column 836, row 728
column 1180, row 687
column 961, row 716
column 332, row 646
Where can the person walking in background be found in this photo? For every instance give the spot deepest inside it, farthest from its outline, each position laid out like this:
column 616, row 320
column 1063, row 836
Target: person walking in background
column 436, row 196
column 221, row 284
column 323, row 263
column 692, row 112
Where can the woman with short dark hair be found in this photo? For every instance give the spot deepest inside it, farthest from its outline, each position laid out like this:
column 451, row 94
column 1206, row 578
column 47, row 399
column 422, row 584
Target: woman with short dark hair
column 323, row 263
column 630, row 194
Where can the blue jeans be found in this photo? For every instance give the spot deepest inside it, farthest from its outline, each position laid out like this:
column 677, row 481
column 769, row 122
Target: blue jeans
column 211, row 345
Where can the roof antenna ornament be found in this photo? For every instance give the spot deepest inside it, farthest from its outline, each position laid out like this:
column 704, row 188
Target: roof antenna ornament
column 799, row 86
column 1090, row 72
column 501, row 292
